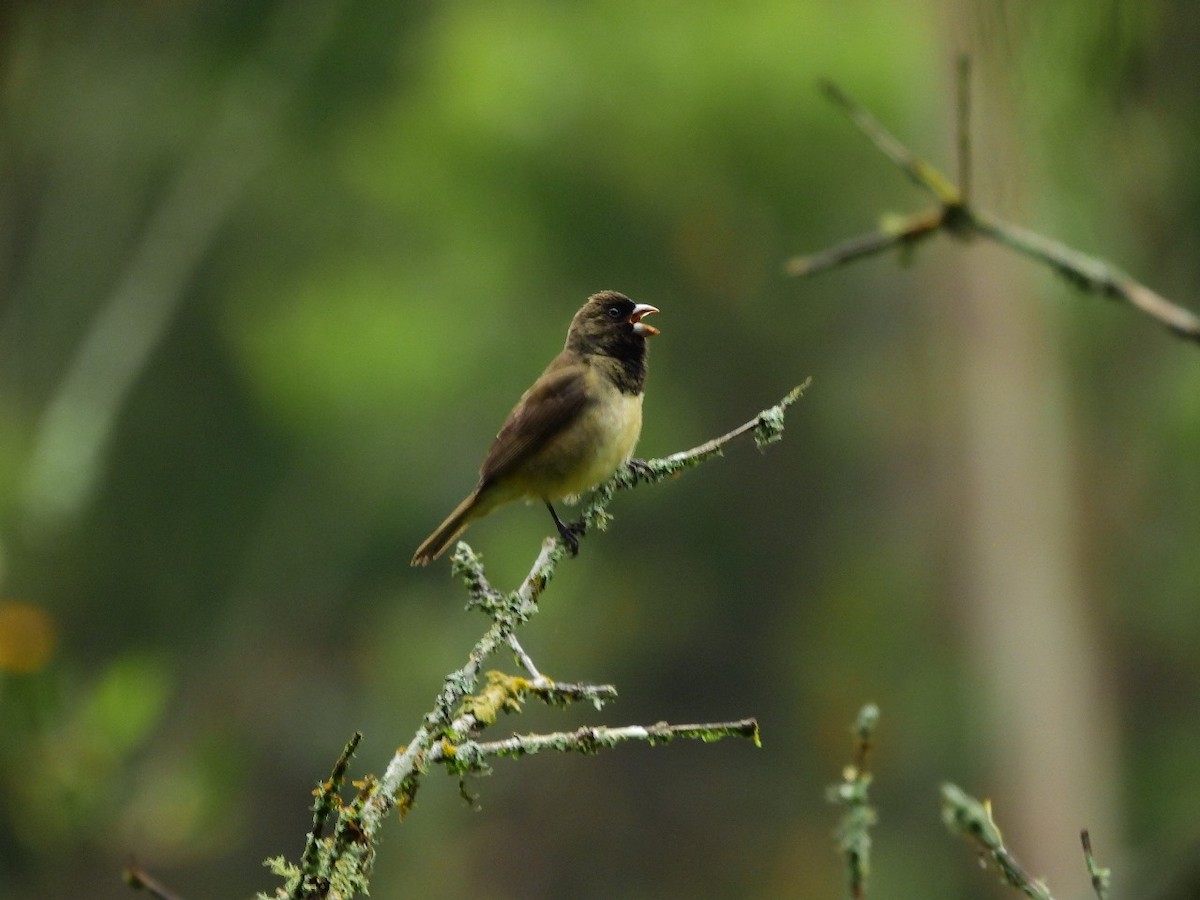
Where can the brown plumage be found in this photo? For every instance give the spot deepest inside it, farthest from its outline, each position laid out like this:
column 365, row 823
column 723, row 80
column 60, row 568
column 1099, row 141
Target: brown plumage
column 571, row 430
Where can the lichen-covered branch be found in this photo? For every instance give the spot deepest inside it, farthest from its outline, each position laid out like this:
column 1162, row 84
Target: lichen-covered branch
column 138, row 879
column 523, row 658
column 964, row 128
column 339, row 866
column 957, row 217
column 854, row 831
column 1101, row 877
column 328, row 799
column 767, row 428
column 471, row 756
column 965, row 815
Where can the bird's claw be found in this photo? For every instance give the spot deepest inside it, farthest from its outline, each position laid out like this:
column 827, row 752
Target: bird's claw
column 640, row 468
column 570, row 535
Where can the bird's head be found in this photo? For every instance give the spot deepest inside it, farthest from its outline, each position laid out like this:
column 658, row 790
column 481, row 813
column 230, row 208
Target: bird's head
column 611, row 323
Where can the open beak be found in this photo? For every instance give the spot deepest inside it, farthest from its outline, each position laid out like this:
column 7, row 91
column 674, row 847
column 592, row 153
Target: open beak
column 635, row 319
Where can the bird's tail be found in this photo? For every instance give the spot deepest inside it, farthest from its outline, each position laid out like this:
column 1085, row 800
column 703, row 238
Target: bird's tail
column 456, row 523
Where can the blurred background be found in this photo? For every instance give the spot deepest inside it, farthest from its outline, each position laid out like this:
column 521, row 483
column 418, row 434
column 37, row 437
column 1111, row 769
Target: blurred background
column 271, row 275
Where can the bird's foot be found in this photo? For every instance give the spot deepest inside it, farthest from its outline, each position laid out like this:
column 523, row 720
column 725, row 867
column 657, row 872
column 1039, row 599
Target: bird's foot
column 640, row 468
column 569, row 533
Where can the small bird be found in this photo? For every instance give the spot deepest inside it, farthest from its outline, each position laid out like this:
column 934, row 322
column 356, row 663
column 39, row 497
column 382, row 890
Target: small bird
column 572, row 429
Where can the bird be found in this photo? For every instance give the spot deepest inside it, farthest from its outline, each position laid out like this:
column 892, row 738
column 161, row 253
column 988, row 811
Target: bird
column 574, row 427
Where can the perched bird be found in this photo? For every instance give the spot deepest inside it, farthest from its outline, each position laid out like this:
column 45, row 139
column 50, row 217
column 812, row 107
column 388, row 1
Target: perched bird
column 571, row 430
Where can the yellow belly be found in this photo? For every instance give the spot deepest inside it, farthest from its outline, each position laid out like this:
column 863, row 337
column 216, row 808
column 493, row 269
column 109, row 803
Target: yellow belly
column 589, row 452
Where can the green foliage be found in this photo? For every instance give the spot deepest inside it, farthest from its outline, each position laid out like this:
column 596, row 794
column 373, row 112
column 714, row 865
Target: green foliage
column 415, row 199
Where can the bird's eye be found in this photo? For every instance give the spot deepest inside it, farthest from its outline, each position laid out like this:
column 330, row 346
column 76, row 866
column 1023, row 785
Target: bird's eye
column 614, row 312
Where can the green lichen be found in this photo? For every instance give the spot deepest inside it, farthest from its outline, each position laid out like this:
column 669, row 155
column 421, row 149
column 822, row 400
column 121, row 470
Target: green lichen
column 503, row 693
column 768, row 428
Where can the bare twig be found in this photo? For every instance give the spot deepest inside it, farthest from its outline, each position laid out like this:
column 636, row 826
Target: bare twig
column 137, row 878
column 964, row 128
column 897, row 231
column 955, row 216
column 1089, row 273
column 920, row 172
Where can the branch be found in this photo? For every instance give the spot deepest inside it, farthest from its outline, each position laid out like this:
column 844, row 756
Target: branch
column 955, row 216
column 973, row 820
column 767, row 428
column 328, row 799
column 470, row 755
column 853, row 833
column 339, row 866
column 560, row 694
column 964, row 127
column 518, row 606
column 137, row 878
column 1101, row 877
column 523, row 658
column 919, row 172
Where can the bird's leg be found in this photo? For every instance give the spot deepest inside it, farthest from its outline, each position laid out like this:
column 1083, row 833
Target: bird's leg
column 568, row 532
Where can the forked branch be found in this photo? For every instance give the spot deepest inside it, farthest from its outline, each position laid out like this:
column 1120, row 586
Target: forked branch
column 956, row 216
column 338, row 865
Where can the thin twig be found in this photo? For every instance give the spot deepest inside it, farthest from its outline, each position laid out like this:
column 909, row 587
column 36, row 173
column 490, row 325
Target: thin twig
column 767, row 427
column 328, row 800
column 558, row 693
column 968, row 817
column 523, row 658
column 471, row 755
column 922, row 174
column 137, row 878
column 897, row 232
column 1089, row 273
column 854, row 830
column 964, row 129
column 957, row 218
column 1101, row 877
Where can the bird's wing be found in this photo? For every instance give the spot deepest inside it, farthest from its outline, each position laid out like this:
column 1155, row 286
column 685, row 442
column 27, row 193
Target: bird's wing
column 553, row 402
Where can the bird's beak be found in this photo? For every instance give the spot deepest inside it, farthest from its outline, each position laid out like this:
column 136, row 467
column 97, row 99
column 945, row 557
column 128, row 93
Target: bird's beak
column 635, row 319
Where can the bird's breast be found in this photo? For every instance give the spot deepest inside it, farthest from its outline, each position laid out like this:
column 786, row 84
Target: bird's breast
column 589, row 451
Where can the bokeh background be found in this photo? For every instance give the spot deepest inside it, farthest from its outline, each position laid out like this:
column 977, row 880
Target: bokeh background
column 271, row 273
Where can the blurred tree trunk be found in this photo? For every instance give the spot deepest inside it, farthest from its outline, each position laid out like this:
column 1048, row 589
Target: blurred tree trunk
column 1042, row 701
